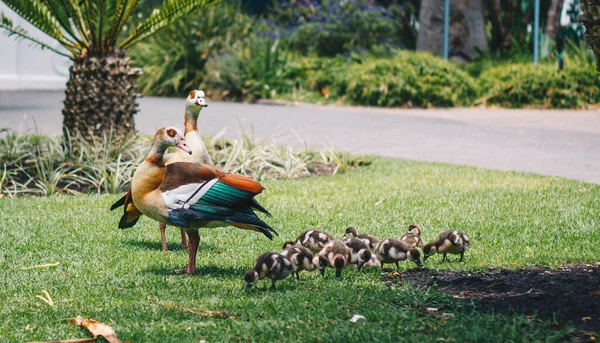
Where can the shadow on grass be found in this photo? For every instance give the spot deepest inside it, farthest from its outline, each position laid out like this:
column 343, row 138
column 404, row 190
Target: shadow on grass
column 156, row 245
column 203, row 271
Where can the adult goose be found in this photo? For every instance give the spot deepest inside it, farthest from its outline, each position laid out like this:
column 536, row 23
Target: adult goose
column 194, row 103
column 192, row 195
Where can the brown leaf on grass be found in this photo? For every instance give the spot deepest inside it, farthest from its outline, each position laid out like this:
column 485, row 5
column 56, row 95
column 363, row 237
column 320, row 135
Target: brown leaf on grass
column 77, row 340
column 594, row 293
column 96, row 329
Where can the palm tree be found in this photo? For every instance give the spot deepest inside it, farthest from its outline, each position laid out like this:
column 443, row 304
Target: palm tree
column 590, row 19
column 101, row 92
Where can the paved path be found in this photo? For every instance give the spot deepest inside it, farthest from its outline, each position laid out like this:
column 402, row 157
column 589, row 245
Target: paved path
column 562, row 143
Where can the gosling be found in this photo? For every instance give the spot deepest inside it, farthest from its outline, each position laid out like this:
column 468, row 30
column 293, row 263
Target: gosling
column 447, row 242
column 369, row 239
column 334, row 255
column 360, row 252
column 314, row 240
column 301, row 258
column 271, row 265
column 412, row 238
column 393, row 250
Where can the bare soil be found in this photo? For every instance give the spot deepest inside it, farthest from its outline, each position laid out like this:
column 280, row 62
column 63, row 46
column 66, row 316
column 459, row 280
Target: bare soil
column 571, row 293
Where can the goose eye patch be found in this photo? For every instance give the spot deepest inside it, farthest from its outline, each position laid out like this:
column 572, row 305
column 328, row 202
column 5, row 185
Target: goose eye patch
column 171, row 133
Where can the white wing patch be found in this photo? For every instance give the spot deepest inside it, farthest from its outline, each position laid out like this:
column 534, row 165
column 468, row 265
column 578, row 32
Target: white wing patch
column 186, row 195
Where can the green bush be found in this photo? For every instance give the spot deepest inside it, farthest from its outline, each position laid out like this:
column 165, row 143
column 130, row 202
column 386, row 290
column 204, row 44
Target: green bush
column 407, row 80
column 526, row 85
column 175, row 59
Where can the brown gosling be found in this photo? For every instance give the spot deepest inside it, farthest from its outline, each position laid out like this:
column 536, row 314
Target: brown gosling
column 447, row 242
column 369, row 239
column 393, row 250
column 412, row 238
column 334, row 255
column 271, row 265
column 314, row 240
column 360, row 252
column 301, row 258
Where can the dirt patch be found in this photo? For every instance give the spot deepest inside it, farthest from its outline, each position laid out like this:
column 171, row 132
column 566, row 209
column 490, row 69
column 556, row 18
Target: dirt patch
column 572, row 293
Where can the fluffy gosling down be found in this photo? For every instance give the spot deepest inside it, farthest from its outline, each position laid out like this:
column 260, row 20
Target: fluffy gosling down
column 412, row 238
column 369, row 239
column 301, row 258
column 334, row 255
column 447, row 242
column 360, row 252
column 271, row 265
column 314, row 240
column 393, row 250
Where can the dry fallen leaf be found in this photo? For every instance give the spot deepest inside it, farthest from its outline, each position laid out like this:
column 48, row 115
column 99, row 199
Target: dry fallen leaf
column 594, row 293
column 355, row 318
column 201, row 312
column 431, row 309
column 586, row 319
column 41, row 266
column 96, row 328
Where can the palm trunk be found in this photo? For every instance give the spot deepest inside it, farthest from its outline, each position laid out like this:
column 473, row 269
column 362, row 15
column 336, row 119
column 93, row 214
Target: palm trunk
column 100, row 97
column 591, row 20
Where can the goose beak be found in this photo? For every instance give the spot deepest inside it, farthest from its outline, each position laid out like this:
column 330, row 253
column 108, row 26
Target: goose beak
column 360, row 265
column 201, row 102
column 322, row 271
column 183, row 146
column 419, row 263
column 248, row 286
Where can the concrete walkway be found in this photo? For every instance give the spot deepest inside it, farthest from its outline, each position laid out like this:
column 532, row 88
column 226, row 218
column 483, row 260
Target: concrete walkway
column 561, row 143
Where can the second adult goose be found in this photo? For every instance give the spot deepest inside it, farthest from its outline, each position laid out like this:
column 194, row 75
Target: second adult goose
column 192, row 195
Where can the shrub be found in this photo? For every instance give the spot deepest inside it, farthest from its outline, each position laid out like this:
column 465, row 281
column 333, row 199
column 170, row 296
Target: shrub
column 526, row 85
column 407, row 80
column 330, row 27
column 174, row 60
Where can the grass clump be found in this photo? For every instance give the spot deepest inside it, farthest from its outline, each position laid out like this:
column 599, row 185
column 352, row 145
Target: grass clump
column 120, row 277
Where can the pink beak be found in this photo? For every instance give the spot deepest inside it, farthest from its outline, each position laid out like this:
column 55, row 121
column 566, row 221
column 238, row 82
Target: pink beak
column 183, row 146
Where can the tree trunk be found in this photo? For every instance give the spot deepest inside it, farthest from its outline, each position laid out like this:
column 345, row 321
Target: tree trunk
column 100, row 97
column 467, row 29
column 591, row 20
column 553, row 24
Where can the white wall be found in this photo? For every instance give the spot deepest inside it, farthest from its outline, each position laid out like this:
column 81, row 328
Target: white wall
column 23, row 66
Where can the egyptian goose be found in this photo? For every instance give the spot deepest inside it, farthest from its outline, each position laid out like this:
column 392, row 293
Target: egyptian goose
column 271, row 265
column 360, row 252
column 192, row 195
column 334, row 254
column 314, row 240
column 194, row 103
column 447, row 242
column 369, row 239
column 301, row 258
column 392, row 250
column 412, row 238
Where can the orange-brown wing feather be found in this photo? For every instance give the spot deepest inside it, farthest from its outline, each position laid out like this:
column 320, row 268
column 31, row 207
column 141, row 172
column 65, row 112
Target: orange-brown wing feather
column 242, row 182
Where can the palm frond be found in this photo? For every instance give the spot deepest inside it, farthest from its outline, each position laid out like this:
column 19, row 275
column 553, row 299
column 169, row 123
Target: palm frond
column 20, row 32
column 39, row 16
column 123, row 10
column 169, row 12
column 75, row 13
column 61, row 12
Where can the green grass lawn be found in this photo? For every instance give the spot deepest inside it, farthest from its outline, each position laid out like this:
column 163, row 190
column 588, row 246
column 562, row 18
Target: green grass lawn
column 121, row 277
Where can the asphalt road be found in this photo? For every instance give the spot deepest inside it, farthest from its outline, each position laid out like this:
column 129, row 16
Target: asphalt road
column 559, row 143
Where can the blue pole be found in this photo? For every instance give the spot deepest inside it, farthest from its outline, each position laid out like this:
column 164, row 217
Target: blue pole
column 536, row 32
column 447, row 28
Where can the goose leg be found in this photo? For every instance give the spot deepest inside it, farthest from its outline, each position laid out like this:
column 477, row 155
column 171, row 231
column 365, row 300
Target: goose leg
column 297, row 276
column 193, row 249
column 397, row 266
column 462, row 254
column 184, row 244
column 163, row 236
column 272, row 284
column 444, row 259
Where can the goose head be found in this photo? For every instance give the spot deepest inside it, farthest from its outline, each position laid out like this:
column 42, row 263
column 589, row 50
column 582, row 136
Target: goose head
column 195, row 101
column 169, row 136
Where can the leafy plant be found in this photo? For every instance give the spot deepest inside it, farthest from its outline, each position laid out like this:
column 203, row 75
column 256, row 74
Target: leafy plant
column 177, row 57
